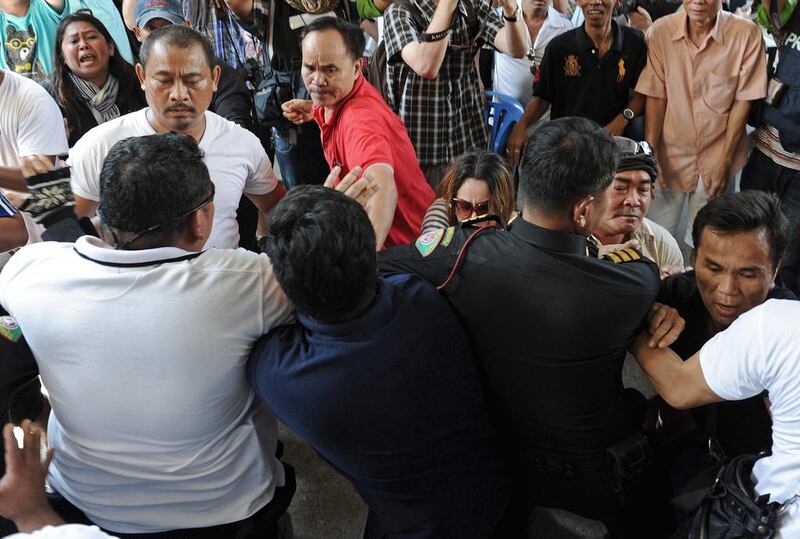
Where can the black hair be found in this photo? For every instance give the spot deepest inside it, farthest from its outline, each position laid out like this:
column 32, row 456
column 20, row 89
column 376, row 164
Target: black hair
column 352, row 35
column 129, row 95
column 177, row 35
column 486, row 166
column 565, row 160
column 322, row 247
column 151, row 180
column 743, row 212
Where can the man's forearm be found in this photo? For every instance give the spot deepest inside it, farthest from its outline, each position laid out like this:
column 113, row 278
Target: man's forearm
column 534, row 110
column 680, row 383
column 12, row 178
column 511, row 38
column 426, row 57
column 636, row 104
column 733, row 134
column 383, row 204
column 655, row 110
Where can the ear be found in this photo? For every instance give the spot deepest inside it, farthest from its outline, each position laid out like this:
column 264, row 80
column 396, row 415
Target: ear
column 138, row 33
column 579, row 214
column 198, row 227
column 111, row 50
column 140, row 74
column 215, row 74
column 359, row 66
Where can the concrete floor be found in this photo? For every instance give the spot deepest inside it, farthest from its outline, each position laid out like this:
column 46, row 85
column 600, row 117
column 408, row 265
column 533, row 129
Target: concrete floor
column 325, row 504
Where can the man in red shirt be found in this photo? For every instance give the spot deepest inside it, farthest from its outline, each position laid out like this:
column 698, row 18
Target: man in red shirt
column 360, row 130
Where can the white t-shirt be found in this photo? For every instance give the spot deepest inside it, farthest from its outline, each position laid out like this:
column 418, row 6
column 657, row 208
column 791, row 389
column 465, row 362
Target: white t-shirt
column 761, row 350
column 512, row 76
column 154, row 423
column 65, row 531
column 30, row 121
column 235, row 159
column 30, row 124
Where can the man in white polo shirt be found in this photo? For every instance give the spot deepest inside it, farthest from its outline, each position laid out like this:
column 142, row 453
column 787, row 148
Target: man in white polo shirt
column 154, row 424
column 758, row 352
column 179, row 76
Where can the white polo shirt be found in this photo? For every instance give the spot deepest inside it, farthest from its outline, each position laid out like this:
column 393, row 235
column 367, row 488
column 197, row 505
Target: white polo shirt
column 761, row 350
column 235, row 159
column 143, row 353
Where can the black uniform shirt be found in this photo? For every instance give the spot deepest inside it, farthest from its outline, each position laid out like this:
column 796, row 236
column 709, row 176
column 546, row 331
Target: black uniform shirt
column 742, row 426
column 549, row 325
column 577, row 82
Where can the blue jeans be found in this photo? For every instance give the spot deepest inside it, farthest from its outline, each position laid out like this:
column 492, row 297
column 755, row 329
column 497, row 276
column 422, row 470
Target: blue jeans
column 300, row 158
column 764, row 174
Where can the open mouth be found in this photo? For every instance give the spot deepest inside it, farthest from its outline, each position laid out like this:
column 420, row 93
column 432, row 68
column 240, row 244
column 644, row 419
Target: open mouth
column 726, row 311
column 87, row 58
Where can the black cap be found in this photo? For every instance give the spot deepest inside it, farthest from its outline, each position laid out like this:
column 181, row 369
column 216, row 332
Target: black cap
column 636, row 156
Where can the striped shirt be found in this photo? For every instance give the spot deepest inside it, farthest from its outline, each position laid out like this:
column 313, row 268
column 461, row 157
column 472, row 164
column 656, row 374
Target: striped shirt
column 767, row 140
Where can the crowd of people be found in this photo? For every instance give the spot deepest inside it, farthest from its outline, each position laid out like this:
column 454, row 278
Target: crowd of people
column 446, row 326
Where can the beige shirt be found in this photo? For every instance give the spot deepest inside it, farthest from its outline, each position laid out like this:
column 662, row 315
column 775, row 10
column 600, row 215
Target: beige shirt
column 700, row 85
column 657, row 244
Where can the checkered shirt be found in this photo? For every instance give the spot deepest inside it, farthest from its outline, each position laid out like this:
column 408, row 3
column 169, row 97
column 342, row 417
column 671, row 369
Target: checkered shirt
column 443, row 116
column 232, row 43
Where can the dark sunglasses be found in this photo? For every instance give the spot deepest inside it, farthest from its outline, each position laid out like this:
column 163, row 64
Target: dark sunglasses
column 464, row 207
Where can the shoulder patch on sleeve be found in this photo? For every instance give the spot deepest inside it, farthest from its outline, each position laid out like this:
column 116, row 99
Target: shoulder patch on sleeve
column 628, row 254
column 426, row 243
column 9, row 329
column 448, row 235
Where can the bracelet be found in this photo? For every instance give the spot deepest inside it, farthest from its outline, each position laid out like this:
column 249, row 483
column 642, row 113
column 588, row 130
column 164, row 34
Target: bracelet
column 435, row 36
column 512, row 18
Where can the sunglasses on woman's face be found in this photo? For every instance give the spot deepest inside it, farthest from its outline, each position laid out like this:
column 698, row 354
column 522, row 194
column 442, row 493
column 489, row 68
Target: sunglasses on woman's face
column 464, row 207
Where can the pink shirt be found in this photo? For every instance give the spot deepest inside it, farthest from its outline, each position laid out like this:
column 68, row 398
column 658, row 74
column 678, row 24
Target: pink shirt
column 700, row 85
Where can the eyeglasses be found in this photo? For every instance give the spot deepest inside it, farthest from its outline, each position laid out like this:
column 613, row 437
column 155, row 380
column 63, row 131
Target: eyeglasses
column 629, row 148
column 465, row 208
column 203, row 203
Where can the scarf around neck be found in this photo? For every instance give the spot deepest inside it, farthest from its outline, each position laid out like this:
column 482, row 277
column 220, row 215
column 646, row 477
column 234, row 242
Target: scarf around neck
column 102, row 101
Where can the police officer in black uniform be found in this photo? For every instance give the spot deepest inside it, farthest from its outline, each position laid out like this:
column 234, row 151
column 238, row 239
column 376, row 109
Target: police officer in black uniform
column 550, row 325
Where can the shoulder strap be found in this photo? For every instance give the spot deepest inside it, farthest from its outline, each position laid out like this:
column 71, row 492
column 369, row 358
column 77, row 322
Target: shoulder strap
column 460, row 258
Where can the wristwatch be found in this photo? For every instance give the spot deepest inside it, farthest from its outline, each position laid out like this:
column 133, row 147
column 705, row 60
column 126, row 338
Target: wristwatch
column 628, row 114
column 512, row 18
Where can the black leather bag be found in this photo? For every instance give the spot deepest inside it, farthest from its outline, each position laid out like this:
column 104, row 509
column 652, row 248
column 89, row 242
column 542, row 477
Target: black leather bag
column 729, row 507
column 274, row 89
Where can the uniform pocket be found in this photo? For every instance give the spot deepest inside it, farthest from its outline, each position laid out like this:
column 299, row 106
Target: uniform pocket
column 720, row 92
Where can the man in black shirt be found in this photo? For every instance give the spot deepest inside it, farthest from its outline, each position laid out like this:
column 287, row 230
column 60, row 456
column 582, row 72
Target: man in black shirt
column 591, row 72
column 550, row 326
column 739, row 241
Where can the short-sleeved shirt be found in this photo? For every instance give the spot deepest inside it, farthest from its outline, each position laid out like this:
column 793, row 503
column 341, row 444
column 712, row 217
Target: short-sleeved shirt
column 235, row 159
column 363, row 131
column 30, row 121
column 577, row 82
column 701, row 85
column 444, row 115
column 759, row 352
column 27, row 43
column 391, row 399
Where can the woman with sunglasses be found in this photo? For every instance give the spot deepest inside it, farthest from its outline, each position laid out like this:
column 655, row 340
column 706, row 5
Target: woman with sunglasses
column 91, row 82
column 476, row 183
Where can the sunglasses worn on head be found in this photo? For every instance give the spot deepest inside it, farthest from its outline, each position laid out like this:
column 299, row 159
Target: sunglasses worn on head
column 463, row 207
column 628, row 147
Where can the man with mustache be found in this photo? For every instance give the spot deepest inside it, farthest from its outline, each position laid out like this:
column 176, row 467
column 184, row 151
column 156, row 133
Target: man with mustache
column 630, row 197
column 179, row 75
column 359, row 129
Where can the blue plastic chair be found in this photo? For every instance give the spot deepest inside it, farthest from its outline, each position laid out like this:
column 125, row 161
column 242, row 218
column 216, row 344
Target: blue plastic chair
column 502, row 114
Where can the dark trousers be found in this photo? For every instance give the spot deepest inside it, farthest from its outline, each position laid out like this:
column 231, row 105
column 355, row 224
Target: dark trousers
column 764, row 174
column 262, row 525
column 300, row 157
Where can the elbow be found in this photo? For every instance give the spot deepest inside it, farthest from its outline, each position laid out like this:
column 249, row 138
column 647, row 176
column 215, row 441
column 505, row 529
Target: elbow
column 428, row 72
column 679, row 399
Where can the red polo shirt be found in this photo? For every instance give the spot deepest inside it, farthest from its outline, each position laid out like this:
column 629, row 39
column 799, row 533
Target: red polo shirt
column 363, row 131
